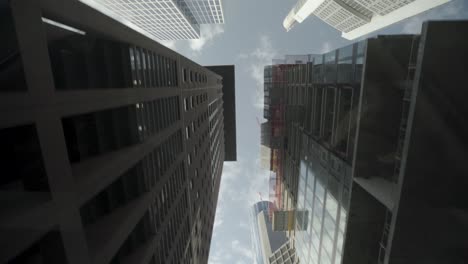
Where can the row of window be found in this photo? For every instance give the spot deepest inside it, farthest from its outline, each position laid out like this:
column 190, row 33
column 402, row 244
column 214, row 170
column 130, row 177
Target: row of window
column 27, row 172
column 285, row 254
column 142, row 233
column 86, row 62
column 216, row 149
column 195, row 125
column 337, row 166
column 344, row 65
column 167, row 153
column 329, row 116
column 295, row 95
column 154, row 116
column 317, row 194
column 195, row 153
column 217, row 103
column 216, row 129
column 152, row 70
column 179, row 255
column 126, row 188
column 168, row 246
column 195, row 77
column 192, row 102
column 141, row 178
column 163, row 204
column 99, row 132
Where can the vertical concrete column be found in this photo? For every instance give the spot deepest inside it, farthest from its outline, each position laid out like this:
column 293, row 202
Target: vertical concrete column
column 32, row 42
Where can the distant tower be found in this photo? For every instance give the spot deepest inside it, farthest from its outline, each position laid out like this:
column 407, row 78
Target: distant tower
column 265, row 241
column 356, row 18
column 165, row 19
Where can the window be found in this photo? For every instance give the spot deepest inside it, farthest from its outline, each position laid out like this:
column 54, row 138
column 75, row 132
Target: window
column 185, row 74
column 189, row 159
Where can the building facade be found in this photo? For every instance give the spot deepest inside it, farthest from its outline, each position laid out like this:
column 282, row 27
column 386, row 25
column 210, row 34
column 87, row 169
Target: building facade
column 363, row 163
column 166, row 19
column 356, row 18
column 113, row 145
column 265, row 241
column 286, row 254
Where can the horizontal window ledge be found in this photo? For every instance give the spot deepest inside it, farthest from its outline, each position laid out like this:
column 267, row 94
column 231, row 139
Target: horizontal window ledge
column 143, row 254
column 24, row 218
column 96, row 173
column 21, row 209
column 107, row 235
column 15, row 241
column 22, row 108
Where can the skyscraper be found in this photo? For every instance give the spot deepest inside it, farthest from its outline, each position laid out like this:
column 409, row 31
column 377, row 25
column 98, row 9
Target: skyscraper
column 164, row 19
column 265, row 241
column 356, row 18
column 112, row 146
column 372, row 160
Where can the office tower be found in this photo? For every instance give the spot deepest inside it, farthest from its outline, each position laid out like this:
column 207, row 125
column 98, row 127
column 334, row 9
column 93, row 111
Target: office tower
column 265, row 241
column 164, row 19
column 280, row 110
column 112, row 146
column 356, row 18
column 378, row 151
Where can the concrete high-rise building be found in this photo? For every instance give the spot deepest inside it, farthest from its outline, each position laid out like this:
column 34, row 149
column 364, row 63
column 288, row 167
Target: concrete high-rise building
column 373, row 159
column 164, row 19
column 112, row 146
column 356, row 18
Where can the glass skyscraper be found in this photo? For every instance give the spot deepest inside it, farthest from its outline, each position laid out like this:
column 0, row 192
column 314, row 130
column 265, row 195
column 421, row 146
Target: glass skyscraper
column 374, row 159
column 164, row 19
column 206, row 11
column 323, row 201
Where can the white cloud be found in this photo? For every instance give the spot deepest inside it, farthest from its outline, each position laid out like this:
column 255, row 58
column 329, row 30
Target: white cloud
column 219, row 218
column 217, row 257
column 236, row 195
column 242, row 170
column 326, row 47
column 452, row 10
column 207, row 34
column 242, row 249
column 258, row 58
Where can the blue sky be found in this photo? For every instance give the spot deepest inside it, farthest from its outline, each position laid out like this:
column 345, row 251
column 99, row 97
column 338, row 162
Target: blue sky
column 250, row 38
